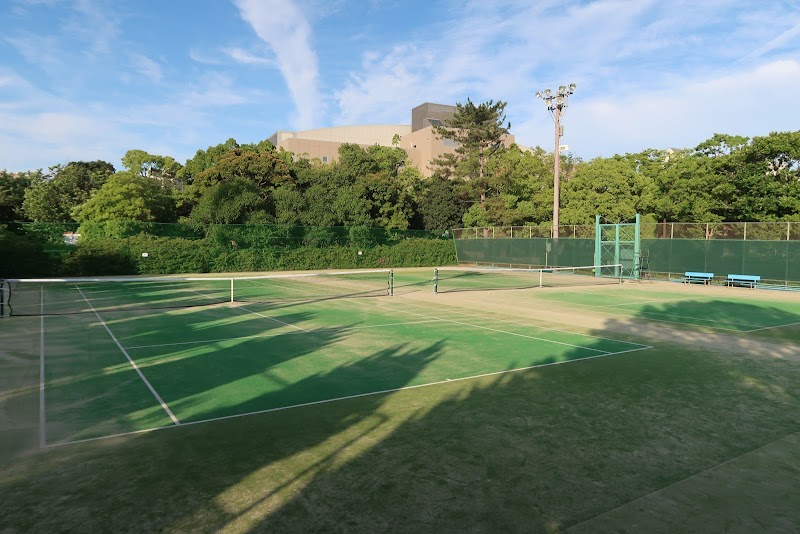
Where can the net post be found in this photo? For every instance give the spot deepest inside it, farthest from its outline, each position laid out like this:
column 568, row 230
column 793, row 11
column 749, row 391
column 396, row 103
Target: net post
column 436, row 280
column 231, row 290
column 2, row 298
column 541, row 277
column 391, row 282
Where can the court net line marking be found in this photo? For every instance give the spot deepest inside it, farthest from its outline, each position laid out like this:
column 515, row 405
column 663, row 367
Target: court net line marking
column 337, row 399
column 276, row 334
column 133, row 363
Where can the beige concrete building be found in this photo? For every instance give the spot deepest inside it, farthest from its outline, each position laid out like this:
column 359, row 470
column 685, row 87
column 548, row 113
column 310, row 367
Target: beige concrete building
column 418, row 139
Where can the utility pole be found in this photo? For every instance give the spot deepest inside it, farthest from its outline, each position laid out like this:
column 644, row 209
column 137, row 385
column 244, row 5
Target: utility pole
column 556, row 104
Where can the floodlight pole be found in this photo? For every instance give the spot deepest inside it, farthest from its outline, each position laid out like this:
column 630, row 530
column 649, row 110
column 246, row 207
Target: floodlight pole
column 556, row 104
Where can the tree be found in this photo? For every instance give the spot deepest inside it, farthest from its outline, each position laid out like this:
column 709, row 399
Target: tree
column 162, row 168
column 438, row 206
column 478, row 133
column 127, row 196
column 236, row 201
column 12, row 193
column 609, row 187
column 53, row 197
column 259, row 165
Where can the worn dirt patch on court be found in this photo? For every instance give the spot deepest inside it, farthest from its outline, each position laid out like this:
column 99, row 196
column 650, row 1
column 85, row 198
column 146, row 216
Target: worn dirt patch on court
column 516, row 304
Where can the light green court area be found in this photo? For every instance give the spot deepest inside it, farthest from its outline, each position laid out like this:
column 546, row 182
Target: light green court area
column 722, row 312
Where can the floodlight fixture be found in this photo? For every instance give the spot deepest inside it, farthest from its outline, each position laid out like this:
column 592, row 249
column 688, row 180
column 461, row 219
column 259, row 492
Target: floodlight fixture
column 556, row 105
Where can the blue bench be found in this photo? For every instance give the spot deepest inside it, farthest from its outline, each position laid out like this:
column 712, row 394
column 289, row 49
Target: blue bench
column 747, row 280
column 692, row 277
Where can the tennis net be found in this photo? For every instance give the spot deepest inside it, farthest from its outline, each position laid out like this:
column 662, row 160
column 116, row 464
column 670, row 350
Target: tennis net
column 447, row 279
column 35, row 297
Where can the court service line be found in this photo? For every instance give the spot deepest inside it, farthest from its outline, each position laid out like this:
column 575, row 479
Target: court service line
column 545, row 328
column 348, row 397
column 133, row 363
column 770, row 327
column 509, row 333
column 270, row 318
column 276, row 334
column 598, row 309
column 42, row 420
column 672, row 315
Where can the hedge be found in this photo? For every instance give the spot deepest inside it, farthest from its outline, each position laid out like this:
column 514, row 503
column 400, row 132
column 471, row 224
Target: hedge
column 25, row 256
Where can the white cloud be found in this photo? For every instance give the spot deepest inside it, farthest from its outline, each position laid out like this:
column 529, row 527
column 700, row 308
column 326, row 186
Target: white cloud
column 648, row 73
column 247, row 58
column 751, row 102
column 282, row 25
column 147, row 67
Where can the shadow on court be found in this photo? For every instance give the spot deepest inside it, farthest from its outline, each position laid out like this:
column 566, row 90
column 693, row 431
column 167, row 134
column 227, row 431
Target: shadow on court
column 539, row 450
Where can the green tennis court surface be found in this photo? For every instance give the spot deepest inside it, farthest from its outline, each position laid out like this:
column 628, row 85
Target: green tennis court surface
column 330, row 405
column 681, row 307
column 208, row 363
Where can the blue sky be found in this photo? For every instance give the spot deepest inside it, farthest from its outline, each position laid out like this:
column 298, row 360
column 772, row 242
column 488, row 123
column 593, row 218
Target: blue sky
column 91, row 79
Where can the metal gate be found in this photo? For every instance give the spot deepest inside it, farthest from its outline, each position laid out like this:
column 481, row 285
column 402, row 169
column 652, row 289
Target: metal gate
column 617, row 245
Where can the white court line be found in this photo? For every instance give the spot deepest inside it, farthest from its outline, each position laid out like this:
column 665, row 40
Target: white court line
column 133, row 363
column 574, row 306
column 359, row 395
column 545, row 328
column 251, row 311
column 42, row 430
column 769, row 327
column 513, row 333
column 509, row 333
column 276, row 334
column 665, row 314
column 270, row 318
column 635, row 302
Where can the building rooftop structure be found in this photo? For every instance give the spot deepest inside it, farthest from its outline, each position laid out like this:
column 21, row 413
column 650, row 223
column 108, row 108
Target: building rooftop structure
column 418, row 139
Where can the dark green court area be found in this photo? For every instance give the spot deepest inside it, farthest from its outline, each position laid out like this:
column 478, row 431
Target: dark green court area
column 212, row 362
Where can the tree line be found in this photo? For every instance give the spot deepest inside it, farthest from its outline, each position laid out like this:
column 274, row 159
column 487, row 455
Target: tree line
column 484, row 183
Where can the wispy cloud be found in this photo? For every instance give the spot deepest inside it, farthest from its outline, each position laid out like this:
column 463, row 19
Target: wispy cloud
column 282, row 25
column 628, row 58
column 148, row 68
column 247, row 58
column 95, row 24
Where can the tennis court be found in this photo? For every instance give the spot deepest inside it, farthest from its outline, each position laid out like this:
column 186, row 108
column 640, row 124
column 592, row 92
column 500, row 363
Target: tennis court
column 577, row 389
column 724, row 309
column 112, row 365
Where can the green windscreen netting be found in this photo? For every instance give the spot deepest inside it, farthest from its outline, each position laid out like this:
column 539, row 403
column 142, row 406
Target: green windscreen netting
column 566, row 252
column 772, row 260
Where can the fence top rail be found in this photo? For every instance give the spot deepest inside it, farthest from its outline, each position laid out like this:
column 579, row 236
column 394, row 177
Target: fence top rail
column 743, row 231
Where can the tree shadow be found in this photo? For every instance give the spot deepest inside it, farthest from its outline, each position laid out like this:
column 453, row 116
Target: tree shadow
column 535, row 450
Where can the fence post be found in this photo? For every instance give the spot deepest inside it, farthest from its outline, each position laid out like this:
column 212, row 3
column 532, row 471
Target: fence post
column 745, row 232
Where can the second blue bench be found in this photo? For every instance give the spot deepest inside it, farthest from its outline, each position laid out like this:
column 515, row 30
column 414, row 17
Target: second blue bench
column 746, row 280
column 690, row 277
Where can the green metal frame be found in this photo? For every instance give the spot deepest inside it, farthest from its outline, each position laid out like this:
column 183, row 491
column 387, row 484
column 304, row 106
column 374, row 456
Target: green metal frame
column 618, row 244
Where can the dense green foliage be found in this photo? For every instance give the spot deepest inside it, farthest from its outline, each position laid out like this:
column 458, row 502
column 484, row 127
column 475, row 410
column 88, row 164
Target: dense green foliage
column 114, row 248
column 482, row 183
